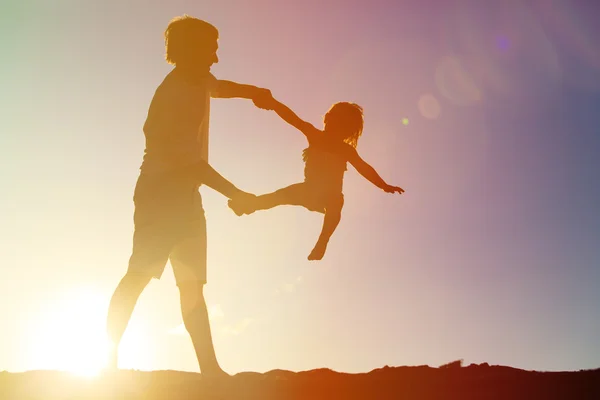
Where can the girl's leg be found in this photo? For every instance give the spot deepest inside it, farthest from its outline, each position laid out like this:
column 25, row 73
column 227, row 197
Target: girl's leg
column 333, row 215
column 296, row 195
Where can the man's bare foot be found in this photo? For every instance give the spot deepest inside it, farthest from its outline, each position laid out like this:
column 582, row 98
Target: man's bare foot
column 318, row 252
column 216, row 376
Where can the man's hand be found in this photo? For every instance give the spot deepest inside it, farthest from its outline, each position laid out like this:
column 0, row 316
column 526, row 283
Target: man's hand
column 242, row 203
column 263, row 99
column 393, row 189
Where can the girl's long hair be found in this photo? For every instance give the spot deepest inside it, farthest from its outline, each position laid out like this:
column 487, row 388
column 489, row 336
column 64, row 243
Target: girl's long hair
column 349, row 118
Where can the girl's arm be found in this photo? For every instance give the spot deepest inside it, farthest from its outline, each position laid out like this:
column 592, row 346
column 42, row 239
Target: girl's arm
column 286, row 114
column 370, row 174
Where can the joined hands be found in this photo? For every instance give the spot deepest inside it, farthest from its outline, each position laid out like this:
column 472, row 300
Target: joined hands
column 242, row 203
column 264, row 99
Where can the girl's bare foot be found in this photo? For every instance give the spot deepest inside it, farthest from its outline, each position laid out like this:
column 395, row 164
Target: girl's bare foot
column 318, row 252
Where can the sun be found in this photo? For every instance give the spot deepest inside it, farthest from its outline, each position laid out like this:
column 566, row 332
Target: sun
column 70, row 334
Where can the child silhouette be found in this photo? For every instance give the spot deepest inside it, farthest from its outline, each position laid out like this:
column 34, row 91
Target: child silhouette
column 328, row 152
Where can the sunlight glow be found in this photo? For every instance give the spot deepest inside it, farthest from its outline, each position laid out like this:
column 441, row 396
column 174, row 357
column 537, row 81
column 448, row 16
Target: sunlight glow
column 429, row 106
column 70, row 336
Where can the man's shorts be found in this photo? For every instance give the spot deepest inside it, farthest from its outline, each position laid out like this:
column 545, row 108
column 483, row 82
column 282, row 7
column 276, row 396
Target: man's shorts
column 169, row 225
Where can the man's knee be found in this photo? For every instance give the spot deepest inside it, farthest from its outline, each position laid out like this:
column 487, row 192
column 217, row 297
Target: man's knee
column 135, row 280
column 191, row 296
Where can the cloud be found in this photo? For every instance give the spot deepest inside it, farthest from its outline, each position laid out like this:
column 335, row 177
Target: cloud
column 214, row 312
column 239, row 327
column 289, row 287
column 178, row 330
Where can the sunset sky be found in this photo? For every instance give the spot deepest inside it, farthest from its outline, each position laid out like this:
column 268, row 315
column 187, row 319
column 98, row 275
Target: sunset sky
column 492, row 254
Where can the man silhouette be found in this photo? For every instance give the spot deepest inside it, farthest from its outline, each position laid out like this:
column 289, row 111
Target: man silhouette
column 169, row 217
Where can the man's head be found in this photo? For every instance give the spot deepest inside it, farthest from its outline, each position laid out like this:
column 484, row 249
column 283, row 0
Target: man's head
column 191, row 42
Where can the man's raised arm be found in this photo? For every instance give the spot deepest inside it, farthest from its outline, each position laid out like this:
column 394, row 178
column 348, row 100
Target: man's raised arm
column 227, row 89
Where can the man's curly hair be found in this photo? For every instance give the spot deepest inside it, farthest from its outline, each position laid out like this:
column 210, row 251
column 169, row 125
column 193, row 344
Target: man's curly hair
column 184, row 35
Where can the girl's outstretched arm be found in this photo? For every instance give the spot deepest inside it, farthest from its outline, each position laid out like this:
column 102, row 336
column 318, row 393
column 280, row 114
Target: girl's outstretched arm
column 286, row 114
column 370, row 174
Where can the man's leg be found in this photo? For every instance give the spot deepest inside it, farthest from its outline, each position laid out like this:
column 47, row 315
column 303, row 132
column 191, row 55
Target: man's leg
column 295, row 194
column 120, row 309
column 195, row 319
column 151, row 247
column 189, row 266
column 188, row 260
column 333, row 215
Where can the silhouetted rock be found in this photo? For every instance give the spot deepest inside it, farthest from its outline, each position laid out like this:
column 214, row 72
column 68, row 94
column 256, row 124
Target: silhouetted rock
column 453, row 364
column 423, row 382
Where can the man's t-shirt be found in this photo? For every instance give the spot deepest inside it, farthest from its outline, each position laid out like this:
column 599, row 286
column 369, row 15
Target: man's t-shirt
column 176, row 128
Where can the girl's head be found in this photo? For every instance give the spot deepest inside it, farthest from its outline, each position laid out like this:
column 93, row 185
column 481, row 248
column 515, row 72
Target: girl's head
column 190, row 41
column 345, row 121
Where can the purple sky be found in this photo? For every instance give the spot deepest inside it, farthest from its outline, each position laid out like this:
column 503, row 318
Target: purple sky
column 491, row 255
